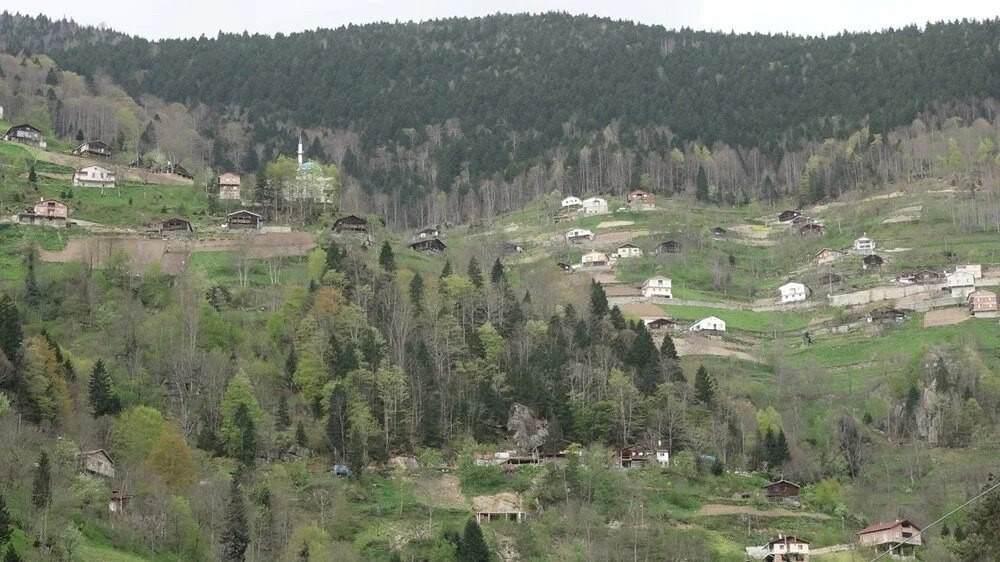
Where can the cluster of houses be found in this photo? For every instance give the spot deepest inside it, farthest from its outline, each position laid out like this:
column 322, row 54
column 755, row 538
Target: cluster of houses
column 807, row 226
column 864, row 247
column 98, row 463
column 637, row 200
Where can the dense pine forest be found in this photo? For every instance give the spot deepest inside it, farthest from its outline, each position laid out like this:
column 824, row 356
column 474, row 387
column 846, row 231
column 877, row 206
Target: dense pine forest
column 459, row 119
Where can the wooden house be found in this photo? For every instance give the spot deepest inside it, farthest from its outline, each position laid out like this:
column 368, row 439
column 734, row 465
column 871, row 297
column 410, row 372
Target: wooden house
column 350, row 224
column 789, row 215
column 710, row 324
column 244, row 219
column 811, row 229
column 720, row 232
column 94, row 149
column 594, row 259
column 886, row 314
column 578, row 235
column 919, row 277
column 565, row 267
column 637, row 456
column 781, row 489
column 571, row 202
column 872, row 261
column 659, row 323
column 508, row 248
column 983, row 303
column 26, row 134
column 433, row 245
column 668, row 247
column 118, row 501
column 628, row 251
column 801, row 220
column 229, row 186
column 175, row 227
column 505, row 506
column 658, row 287
column 899, row 536
column 430, row 232
column 640, row 199
column 51, row 212
column 93, row 176
column 97, row 462
column 786, row 549
column 827, row 255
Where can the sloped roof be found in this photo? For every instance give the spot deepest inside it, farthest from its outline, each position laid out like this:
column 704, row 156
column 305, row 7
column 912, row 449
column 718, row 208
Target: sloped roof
column 887, row 525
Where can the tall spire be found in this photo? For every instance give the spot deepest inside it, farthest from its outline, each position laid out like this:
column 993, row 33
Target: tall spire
column 301, row 153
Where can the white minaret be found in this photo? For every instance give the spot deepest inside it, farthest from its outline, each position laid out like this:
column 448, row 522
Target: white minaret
column 301, row 152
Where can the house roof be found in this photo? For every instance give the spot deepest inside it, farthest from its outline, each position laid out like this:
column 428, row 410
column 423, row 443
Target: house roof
column 81, row 168
column 782, row 481
column 24, row 126
column 983, row 292
column 887, row 525
column 351, row 218
column 243, row 212
column 95, row 452
column 708, row 319
column 628, row 246
column 92, row 142
column 828, row 250
column 657, row 278
column 788, row 539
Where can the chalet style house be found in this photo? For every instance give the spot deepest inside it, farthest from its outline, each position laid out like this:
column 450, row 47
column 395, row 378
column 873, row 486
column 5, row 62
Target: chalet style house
column 640, row 199
column 872, row 261
column 26, row 134
column 899, row 537
column 668, row 247
column 429, row 232
column 229, row 186
column 594, row 259
column 628, row 251
column 93, row 176
column 176, row 227
column 983, row 303
column 886, row 314
column 811, row 229
column 571, row 202
column 97, row 462
column 350, row 223
column 922, row 276
column 720, row 232
column 659, row 324
column 432, row 245
column 786, row 549
column 658, row 287
column 789, row 215
column 94, row 149
column 710, row 324
column 863, row 245
column 781, row 489
column 793, row 292
column 637, row 456
column 827, row 255
column 51, row 212
column 595, row 206
column 243, row 219
column 578, row 235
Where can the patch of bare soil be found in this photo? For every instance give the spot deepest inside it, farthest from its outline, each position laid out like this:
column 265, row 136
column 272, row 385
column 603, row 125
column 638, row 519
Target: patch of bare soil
column 711, row 509
column 698, row 345
column 752, row 230
column 442, row 491
column 614, row 224
column 642, row 310
column 610, row 239
column 945, row 316
column 128, row 174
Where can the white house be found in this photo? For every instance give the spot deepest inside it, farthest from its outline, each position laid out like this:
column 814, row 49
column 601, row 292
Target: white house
column 658, row 286
column 572, row 202
column 975, row 269
column 864, row 245
column 710, row 324
column 793, row 292
column 595, row 206
column 594, row 259
column 628, row 251
column 786, row 548
column 93, row 176
column 961, row 279
column 579, row 234
column 662, row 455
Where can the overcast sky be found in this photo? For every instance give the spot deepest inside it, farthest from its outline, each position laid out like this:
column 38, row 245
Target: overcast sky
column 183, row 18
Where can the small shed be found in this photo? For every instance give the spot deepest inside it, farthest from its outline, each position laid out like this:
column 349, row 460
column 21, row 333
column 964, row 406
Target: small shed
column 659, row 323
column 811, row 229
column 505, row 506
column 244, row 219
column 508, row 248
column 118, row 501
column 719, row 231
column 781, row 489
column 229, row 186
column 872, row 261
column 886, row 314
column 789, row 215
column 98, row 462
column 668, row 247
column 176, row 226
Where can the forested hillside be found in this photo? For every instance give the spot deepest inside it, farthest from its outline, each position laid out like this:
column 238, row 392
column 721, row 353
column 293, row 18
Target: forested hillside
column 488, row 113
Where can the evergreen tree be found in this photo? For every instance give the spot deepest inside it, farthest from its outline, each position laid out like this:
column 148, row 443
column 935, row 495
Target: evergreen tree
column 52, row 78
column 32, row 175
column 147, row 141
column 701, row 186
column 102, row 399
column 446, row 270
column 598, row 300
column 417, row 293
column 473, row 547
column 41, row 486
column 79, row 135
column 617, row 318
column 386, row 258
column 300, row 435
column 283, row 419
column 497, row 274
column 334, row 256
column 704, row 386
column 236, row 537
column 941, row 375
column 475, row 273
column 667, row 349
column 31, row 288
column 6, row 523
column 11, row 555
column 643, row 356
column 781, row 454
column 10, row 328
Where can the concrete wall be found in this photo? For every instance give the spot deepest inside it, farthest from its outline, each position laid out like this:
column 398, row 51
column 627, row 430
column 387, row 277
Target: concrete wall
column 880, row 294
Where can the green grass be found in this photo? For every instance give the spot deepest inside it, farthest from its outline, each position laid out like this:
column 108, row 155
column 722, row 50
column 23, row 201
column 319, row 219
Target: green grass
column 744, row 320
column 89, row 552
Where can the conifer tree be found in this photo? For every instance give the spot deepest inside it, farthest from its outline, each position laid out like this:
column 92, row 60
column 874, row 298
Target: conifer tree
column 701, row 185
column 32, row 175
column 473, row 547
column 645, row 358
column 338, row 425
column 497, row 274
column 6, row 523
column 10, row 328
column 386, row 258
column 446, row 270
column 667, row 349
column 102, row 399
column 617, row 318
column 246, row 450
column 598, row 300
column 236, row 537
column 41, row 486
column 283, row 419
column 475, row 273
column 417, row 293
column 300, row 435
column 704, row 386
column 11, row 555
column 79, row 135
column 30, row 281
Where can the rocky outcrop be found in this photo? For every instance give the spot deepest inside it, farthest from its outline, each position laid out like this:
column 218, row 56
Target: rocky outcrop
column 527, row 431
